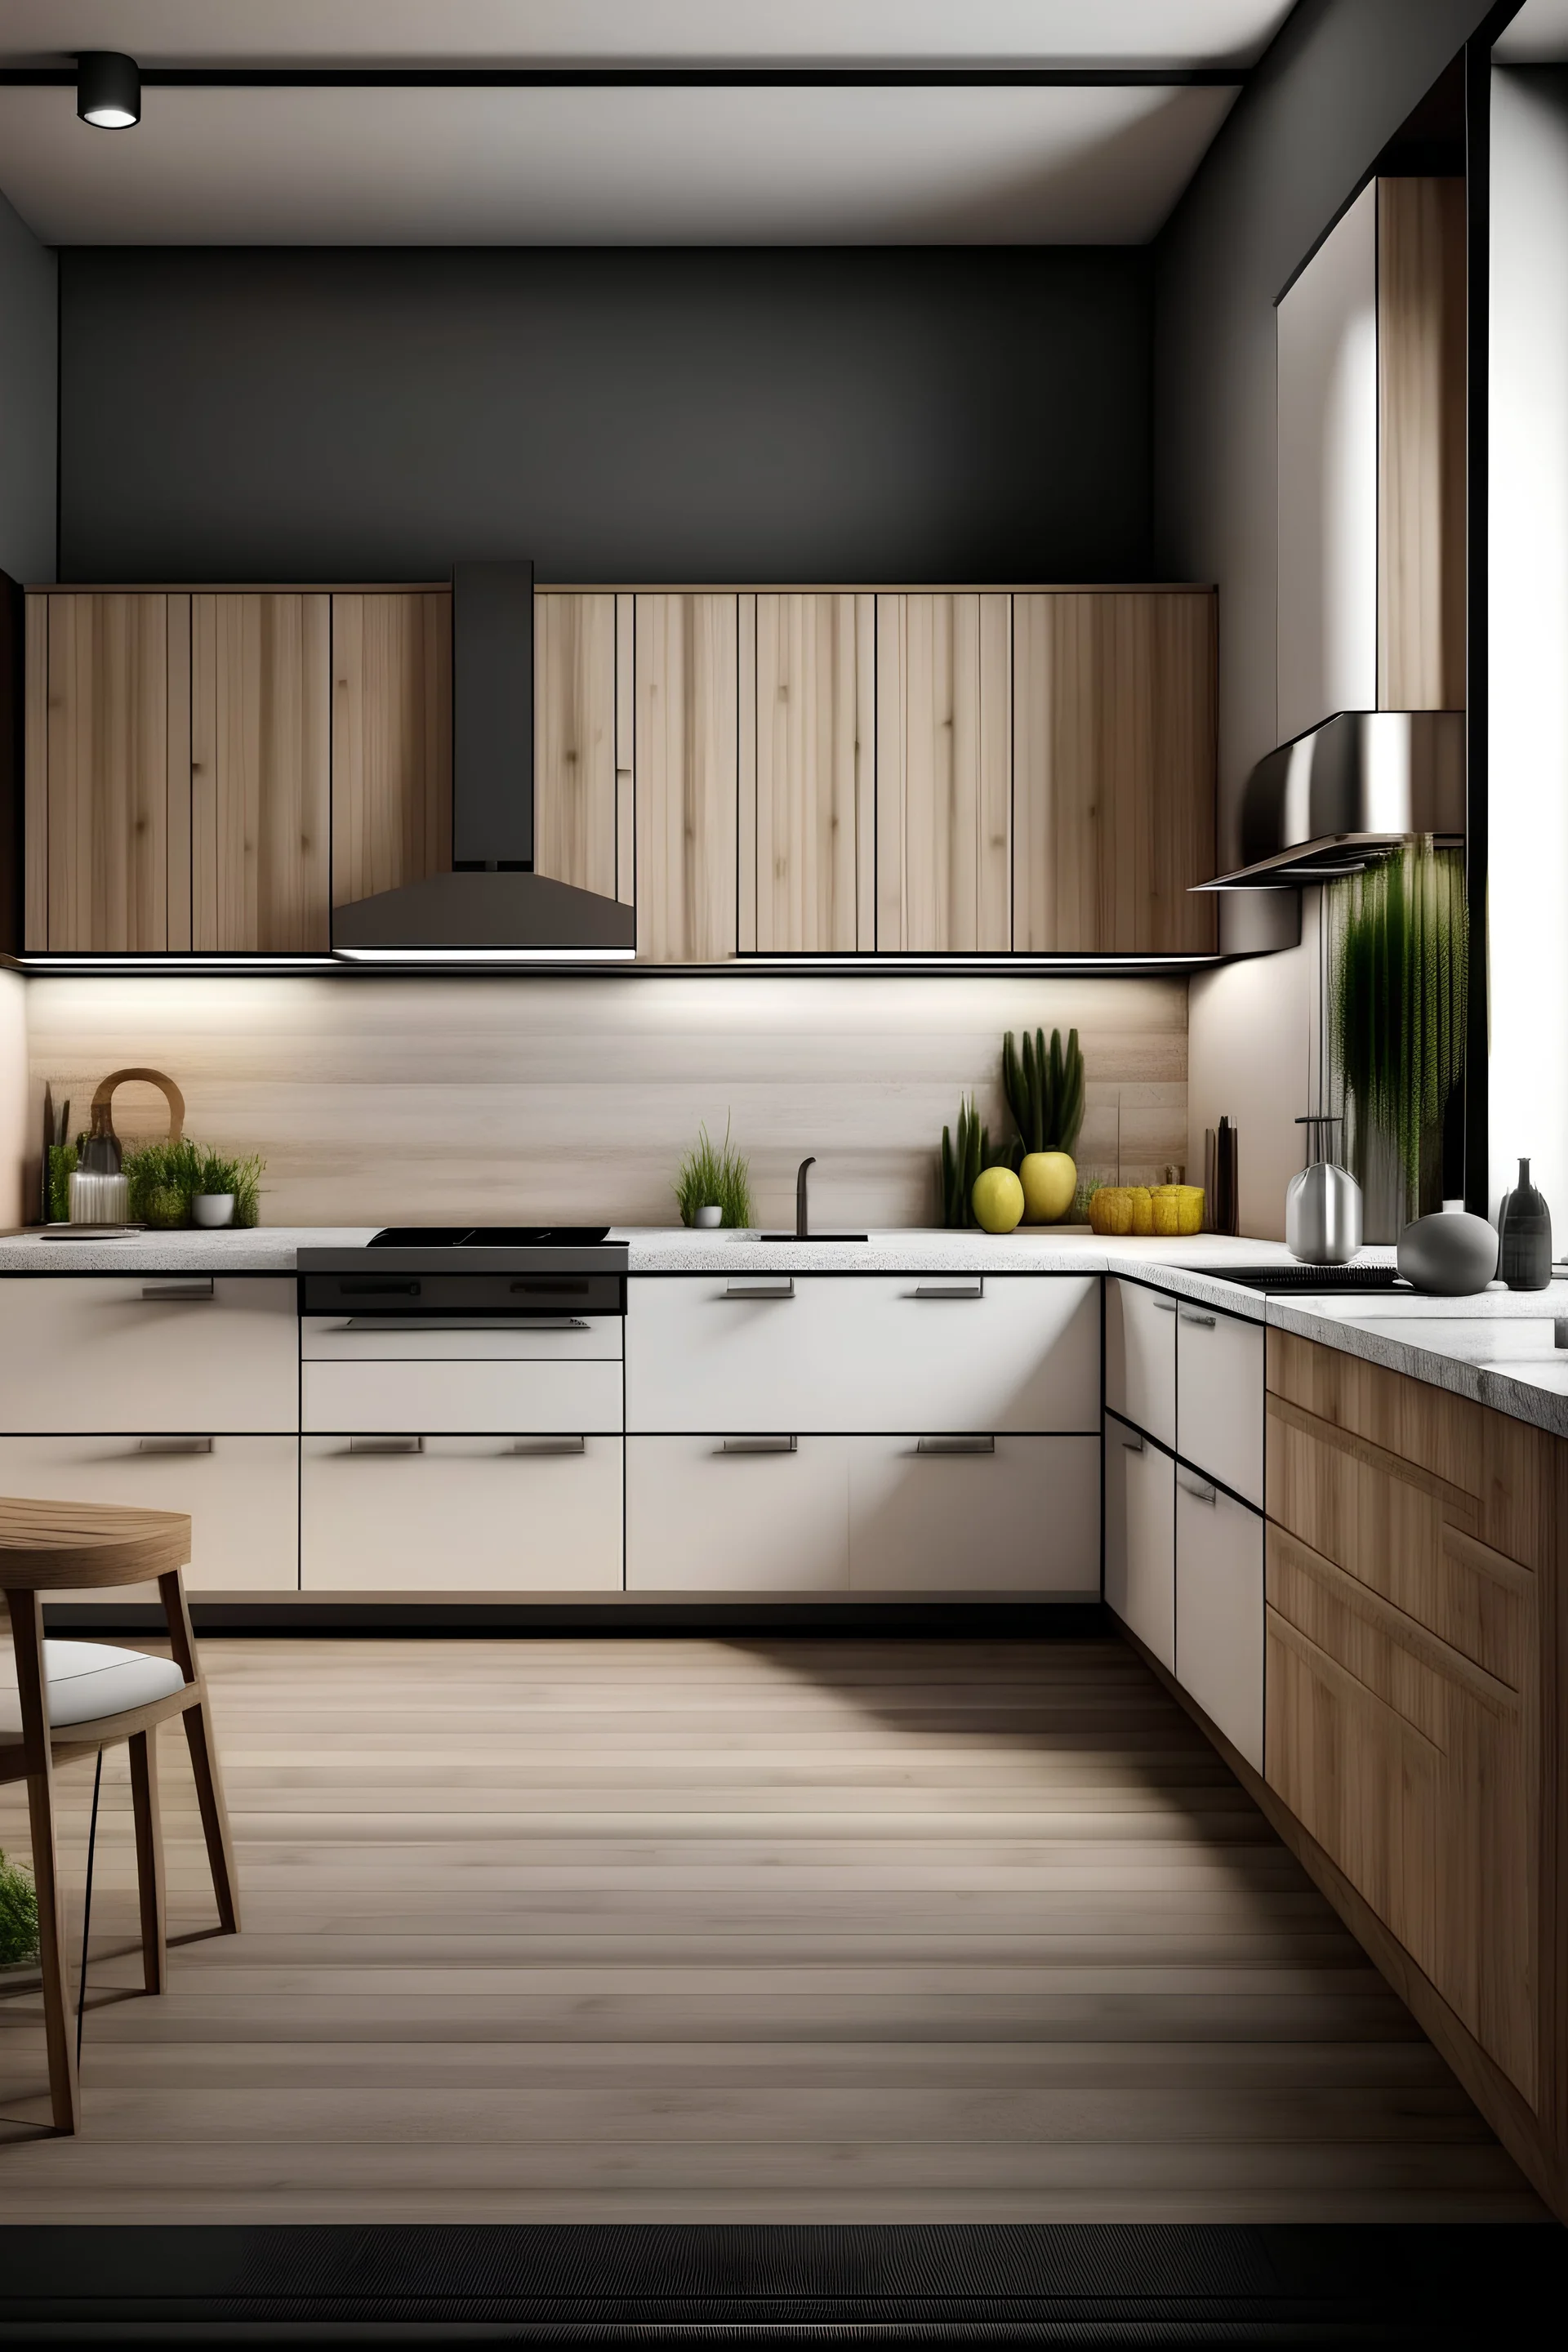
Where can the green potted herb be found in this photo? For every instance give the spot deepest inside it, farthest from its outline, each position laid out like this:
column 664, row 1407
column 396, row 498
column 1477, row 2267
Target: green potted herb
column 714, row 1185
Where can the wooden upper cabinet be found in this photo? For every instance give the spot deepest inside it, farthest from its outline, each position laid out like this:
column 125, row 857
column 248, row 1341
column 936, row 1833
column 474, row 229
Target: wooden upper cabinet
column 1113, row 802
column 944, row 694
column 108, row 736
column 686, row 689
column 807, row 809
column 260, row 758
column 392, row 739
column 1421, row 471
column 576, row 832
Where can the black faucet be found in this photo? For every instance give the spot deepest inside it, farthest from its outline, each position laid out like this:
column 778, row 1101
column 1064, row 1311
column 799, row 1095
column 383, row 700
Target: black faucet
column 802, row 1217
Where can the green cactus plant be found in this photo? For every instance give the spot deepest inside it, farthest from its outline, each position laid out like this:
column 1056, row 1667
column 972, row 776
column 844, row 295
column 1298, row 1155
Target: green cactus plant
column 1045, row 1090
column 963, row 1162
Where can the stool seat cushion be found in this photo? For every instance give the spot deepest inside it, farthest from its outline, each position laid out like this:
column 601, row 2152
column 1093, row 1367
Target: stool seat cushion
column 87, row 1679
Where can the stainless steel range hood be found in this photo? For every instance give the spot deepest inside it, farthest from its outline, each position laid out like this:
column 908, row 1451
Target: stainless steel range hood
column 492, row 907
column 1348, row 792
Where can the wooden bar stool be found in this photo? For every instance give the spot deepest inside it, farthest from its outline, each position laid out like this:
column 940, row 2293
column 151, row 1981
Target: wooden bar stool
column 75, row 1698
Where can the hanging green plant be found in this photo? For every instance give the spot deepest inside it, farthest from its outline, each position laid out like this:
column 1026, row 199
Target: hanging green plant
column 1398, row 973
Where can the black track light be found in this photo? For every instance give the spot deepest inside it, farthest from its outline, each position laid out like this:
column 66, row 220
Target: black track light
column 108, row 90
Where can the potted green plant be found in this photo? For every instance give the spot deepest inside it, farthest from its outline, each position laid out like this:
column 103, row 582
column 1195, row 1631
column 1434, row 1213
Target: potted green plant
column 714, row 1178
column 167, row 1179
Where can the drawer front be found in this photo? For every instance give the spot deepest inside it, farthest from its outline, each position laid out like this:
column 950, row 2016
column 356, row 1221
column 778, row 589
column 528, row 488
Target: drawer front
column 706, row 1515
column 1140, row 1538
column 348, row 1340
column 1219, row 1611
column 462, row 1515
column 1219, row 1397
column 463, row 1399
column 85, row 1352
column 931, row 1516
column 863, row 1352
column 242, row 1495
column 1140, row 1357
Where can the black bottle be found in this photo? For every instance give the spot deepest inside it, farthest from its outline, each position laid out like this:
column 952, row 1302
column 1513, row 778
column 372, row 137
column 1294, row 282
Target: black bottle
column 1524, row 1236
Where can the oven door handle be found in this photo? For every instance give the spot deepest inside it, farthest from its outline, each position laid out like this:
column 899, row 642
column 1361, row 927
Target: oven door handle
column 465, row 1323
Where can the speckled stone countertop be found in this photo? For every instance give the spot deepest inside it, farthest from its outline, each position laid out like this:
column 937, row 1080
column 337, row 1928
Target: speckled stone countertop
column 1499, row 1348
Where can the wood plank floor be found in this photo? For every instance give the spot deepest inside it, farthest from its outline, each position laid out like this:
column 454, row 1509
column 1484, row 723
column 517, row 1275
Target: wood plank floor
column 648, row 1929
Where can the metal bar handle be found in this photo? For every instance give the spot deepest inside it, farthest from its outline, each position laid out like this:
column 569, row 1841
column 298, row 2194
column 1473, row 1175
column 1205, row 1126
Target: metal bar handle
column 1191, row 1314
column 386, row 1444
column 759, row 1445
column 179, row 1293
column 536, row 1448
column 955, row 1445
column 464, row 1323
column 951, row 1289
column 173, row 1445
column 1164, row 1306
column 784, row 1289
column 1198, row 1488
column 1132, row 1444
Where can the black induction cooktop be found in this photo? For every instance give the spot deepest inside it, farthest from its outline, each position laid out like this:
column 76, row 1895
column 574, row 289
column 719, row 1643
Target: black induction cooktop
column 488, row 1237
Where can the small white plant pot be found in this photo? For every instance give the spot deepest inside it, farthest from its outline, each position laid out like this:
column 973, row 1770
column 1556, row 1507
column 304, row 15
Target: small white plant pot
column 709, row 1215
column 212, row 1209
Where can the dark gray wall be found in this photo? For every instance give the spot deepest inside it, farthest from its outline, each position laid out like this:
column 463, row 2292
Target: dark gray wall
column 620, row 415
column 1328, row 95
column 26, row 402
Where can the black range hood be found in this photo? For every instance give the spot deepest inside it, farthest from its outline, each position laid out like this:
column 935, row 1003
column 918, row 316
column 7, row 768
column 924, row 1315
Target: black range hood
column 492, row 907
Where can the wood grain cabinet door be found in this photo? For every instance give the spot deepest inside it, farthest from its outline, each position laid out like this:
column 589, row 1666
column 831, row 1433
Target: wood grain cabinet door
column 807, row 816
column 392, row 739
column 576, row 833
column 1113, row 772
column 107, row 778
column 260, row 763
column 944, row 695
column 1402, row 1717
column 687, row 690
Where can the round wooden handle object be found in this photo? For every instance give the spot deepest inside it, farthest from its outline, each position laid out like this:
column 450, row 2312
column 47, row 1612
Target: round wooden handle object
column 171, row 1092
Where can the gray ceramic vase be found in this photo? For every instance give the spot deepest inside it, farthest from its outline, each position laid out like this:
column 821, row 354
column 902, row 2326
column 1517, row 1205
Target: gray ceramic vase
column 1451, row 1254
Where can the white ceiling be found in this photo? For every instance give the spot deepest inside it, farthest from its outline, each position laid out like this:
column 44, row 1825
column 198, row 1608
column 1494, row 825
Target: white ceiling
column 776, row 165
column 318, row 32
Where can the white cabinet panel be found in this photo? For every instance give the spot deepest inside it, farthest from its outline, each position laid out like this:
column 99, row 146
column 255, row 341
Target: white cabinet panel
column 462, row 1398
column 148, row 1352
column 932, row 1516
column 1140, row 1357
column 1219, row 1611
column 350, row 1340
column 242, row 1493
column 1220, row 1398
column 461, row 1514
column 1140, row 1538
column 860, row 1352
column 710, row 1515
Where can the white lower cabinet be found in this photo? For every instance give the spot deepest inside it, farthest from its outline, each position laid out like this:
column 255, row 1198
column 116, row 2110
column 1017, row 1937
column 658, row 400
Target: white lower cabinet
column 1140, row 1538
column 170, row 1351
column 761, row 1513
column 460, row 1398
column 1140, row 1357
column 1220, row 1396
column 959, row 1515
column 445, row 1515
column 242, row 1493
column 1219, row 1609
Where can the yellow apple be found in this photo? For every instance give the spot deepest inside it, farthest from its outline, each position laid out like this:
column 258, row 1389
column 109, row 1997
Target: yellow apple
column 997, row 1200
column 1049, row 1180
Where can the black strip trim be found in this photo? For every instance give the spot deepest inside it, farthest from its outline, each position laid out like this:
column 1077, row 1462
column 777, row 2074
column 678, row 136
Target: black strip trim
column 646, row 76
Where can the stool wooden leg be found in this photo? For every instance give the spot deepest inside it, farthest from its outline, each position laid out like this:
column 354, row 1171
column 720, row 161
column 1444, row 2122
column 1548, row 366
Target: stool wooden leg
column 149, row 1880
column 60, row 2024
column 214, row 1815
column 203, row 1754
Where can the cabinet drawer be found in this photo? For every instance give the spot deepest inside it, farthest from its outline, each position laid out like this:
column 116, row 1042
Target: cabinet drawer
column 461, row 1515
column 346, row 1339
column 929, row 1515
column 462, row 1398
column 863, row 1352
column 1140, row 1538
column 1219, row 1397
column 241, row 1493
column 1140, row 1357
column 1219, row 1611
column 153, row 1351
column 714, row 1515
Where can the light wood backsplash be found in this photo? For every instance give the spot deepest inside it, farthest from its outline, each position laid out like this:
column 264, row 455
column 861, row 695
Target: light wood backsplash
column 383, row 1099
